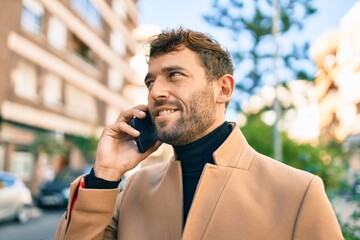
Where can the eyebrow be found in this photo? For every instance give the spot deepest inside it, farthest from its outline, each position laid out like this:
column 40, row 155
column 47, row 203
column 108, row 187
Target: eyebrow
column 165, row 70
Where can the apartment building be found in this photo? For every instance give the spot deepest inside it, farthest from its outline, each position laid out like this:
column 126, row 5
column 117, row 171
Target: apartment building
column 65, row 66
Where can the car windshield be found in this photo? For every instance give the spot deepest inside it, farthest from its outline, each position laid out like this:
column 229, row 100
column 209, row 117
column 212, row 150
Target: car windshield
column 6, row 180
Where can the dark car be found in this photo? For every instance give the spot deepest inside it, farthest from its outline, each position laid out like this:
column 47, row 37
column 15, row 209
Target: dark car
column 56, row 192
column 15, row 198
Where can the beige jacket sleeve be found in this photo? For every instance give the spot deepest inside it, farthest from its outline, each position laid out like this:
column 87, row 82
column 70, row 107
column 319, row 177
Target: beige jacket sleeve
column 316, row 217
column 90, row 215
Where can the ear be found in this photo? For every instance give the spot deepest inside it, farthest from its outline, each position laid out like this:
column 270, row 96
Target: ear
column 224, row 88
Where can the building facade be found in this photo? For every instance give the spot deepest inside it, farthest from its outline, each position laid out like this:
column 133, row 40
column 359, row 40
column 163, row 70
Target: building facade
column 65, row 66
column 337, row 55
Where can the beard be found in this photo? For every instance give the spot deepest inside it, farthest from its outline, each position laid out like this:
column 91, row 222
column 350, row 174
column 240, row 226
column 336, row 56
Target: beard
column 192, row 125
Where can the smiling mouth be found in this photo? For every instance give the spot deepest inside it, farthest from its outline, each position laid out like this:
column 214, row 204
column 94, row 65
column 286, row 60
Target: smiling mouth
column 165, row 112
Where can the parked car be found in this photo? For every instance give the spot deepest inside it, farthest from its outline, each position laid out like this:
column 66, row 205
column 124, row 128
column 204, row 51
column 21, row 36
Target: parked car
column 15, row 198
column 56, row 193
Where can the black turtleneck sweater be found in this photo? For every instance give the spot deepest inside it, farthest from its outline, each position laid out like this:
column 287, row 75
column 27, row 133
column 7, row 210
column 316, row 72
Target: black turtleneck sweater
column 193, row 158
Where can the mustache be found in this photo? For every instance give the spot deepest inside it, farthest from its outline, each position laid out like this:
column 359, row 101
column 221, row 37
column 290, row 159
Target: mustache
column 160, row 103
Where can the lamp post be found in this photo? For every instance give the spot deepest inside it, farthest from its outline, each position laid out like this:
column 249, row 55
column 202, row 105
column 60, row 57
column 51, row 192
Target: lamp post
column 277, row 141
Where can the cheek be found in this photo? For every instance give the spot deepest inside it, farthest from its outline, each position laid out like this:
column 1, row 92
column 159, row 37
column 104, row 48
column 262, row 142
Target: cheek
column 151, row 107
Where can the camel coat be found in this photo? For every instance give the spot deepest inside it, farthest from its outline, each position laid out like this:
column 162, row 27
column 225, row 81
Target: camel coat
column 245, row 195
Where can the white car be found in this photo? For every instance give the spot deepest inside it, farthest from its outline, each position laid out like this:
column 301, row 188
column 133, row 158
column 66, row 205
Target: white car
column 15, row 198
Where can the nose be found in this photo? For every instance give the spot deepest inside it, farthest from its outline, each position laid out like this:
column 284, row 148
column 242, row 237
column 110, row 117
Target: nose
column 159, row 90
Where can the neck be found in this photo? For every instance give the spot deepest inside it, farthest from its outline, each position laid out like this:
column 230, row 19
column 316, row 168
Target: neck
column 195, row 155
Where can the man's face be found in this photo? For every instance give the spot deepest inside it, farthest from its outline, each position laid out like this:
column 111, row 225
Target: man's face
column 181, row 100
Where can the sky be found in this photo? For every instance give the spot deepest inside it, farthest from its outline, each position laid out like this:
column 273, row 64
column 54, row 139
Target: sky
column 188, row 13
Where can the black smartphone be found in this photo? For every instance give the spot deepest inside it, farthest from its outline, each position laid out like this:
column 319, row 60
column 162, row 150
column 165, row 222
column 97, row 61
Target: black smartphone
column 147, row 131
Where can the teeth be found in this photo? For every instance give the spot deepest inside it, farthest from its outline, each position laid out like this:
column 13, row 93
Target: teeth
column 164, row 112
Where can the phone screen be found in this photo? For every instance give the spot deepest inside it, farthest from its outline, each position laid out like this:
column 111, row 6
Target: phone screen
column 147, row 131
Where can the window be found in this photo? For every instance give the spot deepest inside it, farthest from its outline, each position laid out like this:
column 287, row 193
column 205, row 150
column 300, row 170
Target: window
column 52, row 90
column 25, row 81
column 117, row 43
column 22, row 164
column 115, row 79
column 80, row 104
column 80, row 49
column 57, row 34
column 357, row 105
column 32, row 16
column 88, row 12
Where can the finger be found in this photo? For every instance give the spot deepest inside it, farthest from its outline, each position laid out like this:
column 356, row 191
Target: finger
column 127, row 115
column 126, row 128
column 120, row 130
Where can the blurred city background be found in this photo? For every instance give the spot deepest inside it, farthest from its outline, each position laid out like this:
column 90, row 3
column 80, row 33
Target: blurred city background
column 69, row 67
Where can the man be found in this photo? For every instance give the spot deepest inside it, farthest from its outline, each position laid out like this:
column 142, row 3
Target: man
column 215, row 187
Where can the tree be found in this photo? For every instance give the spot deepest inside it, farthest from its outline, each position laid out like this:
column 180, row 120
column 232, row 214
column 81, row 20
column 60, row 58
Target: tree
column 86, row 145
column 325, row 160
column 250, row 25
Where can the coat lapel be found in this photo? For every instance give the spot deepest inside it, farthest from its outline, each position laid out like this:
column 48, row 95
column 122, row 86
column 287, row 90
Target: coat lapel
column 173, row 200
column 233, row 154
column 211, row 185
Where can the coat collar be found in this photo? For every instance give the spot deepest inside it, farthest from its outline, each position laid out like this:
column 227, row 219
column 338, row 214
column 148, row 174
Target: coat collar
column 235, row 151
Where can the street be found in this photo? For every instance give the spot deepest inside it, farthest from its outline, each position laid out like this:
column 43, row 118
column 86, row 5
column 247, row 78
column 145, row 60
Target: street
column 41, row 226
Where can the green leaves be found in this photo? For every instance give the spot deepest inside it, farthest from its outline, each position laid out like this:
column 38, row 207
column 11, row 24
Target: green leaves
column 325, row 160
column 252, row 21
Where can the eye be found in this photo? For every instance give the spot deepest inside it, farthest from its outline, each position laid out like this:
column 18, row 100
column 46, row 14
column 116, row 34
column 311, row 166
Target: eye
column 149, row 83
column 175, row 74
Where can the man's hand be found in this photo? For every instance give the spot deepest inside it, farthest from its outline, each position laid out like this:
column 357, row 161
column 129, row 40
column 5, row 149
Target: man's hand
column 117, row 152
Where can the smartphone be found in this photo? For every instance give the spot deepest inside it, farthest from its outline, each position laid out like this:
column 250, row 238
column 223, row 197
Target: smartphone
column 147, row 131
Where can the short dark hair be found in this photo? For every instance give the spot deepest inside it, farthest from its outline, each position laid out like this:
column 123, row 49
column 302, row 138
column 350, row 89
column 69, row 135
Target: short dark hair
column 216, row 60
